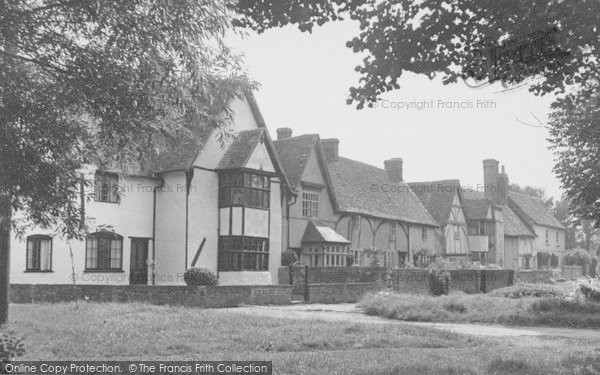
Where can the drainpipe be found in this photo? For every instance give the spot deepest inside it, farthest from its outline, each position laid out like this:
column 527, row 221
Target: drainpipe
column 162, row 183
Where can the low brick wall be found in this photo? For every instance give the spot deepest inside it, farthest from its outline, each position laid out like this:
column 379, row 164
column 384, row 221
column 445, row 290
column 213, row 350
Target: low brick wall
column 334, row 275
column 534, row 276
column 495, row 279
column 201, row 296
column 342, row 292
column 414, row 281
column 467, row 281
column 572, row 272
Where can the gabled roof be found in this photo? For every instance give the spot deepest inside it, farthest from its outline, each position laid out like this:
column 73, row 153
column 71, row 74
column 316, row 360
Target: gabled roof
column 364, row 189
column 241, row 149
column 294, row 153
column 316, row 234
column 475, row 205
column 437, row 197
column 513, row 225
column 533, row 210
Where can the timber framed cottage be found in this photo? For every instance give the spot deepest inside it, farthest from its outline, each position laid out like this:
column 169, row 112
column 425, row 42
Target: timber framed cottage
column 199, row 203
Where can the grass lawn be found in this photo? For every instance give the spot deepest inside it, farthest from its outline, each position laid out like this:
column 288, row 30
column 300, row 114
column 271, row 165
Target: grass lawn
column 522, row 304
column 137, row 331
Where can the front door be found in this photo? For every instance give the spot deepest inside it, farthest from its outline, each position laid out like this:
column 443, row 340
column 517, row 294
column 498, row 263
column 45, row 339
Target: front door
column 138, row 267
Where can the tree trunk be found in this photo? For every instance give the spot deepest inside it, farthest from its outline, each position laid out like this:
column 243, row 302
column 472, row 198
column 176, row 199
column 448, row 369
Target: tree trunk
column 5, row 223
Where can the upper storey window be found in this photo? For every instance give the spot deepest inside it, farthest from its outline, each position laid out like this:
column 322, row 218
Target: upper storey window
column 244, row 189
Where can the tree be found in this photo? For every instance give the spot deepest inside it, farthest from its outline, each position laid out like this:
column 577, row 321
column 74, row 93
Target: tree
column 575, row 138
column 534, row 192
column 562, row 212
column 100, row 82
column 446, row 37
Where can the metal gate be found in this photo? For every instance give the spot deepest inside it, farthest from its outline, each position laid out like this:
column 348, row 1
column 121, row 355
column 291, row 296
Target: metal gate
column 299, row 280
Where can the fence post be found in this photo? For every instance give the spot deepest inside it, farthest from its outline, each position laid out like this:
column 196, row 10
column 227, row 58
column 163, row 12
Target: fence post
column 291, row 273
column 306, row 295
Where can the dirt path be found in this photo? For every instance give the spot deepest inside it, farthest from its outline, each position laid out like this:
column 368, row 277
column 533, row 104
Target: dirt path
column 350, row 313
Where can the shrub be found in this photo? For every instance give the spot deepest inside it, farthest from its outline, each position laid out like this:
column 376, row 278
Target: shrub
column 288, row 258
column 349, row 260
column 11, row 347
column 454, row 306
column 590, row 289
column 199, row 276
column 579, row 257
column 522, row 290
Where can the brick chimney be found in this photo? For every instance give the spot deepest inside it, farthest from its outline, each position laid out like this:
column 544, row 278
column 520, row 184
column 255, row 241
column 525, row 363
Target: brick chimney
column 502, row 192
column 284, row 133
column 394, row 168
column 330, row 147
column 490, row 178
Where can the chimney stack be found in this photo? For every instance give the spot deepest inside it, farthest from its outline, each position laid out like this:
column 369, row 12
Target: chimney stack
column 284, row 133
column 490, row 178
column 330, row 147
column 394, row 168
column 502, row 191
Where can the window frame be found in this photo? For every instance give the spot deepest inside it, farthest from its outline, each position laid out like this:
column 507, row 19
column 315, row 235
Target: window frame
column 310, row 207
column 241, row 183
column 111, row 181
column 37, row 238
column 423, row 233
column 107, row 250
column 239, row 260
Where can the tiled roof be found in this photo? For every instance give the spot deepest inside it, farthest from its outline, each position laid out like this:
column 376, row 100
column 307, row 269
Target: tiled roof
column 241, row 148
column 364, row 189
column 294, row 153
column 475, row 205
column 513, row 225
column 533, row 209
column 314, row 234
column 182, row 152
column 437, row 197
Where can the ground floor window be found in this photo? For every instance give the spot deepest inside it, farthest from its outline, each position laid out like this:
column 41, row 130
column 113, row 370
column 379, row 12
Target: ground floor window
column 39, row 253
column 240, row 253
column 104, row 252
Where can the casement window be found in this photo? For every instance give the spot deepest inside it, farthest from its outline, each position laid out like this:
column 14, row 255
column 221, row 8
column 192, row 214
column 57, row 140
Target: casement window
column 243, row 189
column 104, row 252
column 557, row 240
column 240, row 253
column 39, row 253
column 424, row 234
column 106, row 187
column 547, row 237
column 310, row 204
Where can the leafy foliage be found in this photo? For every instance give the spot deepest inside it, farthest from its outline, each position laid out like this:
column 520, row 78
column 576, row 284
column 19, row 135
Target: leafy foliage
column 11, row 347
column 288, row 258
column 578, row 257
column 445, row 37
column 199, row 276
column 103, row 82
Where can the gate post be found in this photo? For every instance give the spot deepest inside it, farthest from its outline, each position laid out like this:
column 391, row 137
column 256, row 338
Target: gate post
column 306, row 294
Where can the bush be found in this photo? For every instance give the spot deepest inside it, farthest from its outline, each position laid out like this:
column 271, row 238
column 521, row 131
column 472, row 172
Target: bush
column 349, row 260
column 579, row 257
column 522, row 290
column 11, row 347
column 288, row 258
column 199, row 276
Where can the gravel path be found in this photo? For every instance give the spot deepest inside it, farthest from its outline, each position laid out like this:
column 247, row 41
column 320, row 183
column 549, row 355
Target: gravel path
column 350, row 313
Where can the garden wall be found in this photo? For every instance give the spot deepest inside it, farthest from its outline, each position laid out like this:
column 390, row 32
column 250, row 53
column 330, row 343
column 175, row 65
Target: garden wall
column 201, row 296
column 467, row 281
column 535, row 276
column 572, row 272
column 342, row 292
column 414, row 281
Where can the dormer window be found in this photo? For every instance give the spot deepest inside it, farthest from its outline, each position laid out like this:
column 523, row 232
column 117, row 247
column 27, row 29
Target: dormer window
column 106, row 187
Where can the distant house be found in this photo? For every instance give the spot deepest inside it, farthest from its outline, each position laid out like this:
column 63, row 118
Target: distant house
column 511, row 229
column 549, row 244
column 443, row 199
column 309, row 219
column 378, row 212
column 195, row 203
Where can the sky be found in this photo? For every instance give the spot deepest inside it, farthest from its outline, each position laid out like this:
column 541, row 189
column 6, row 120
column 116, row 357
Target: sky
column 439, row 131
